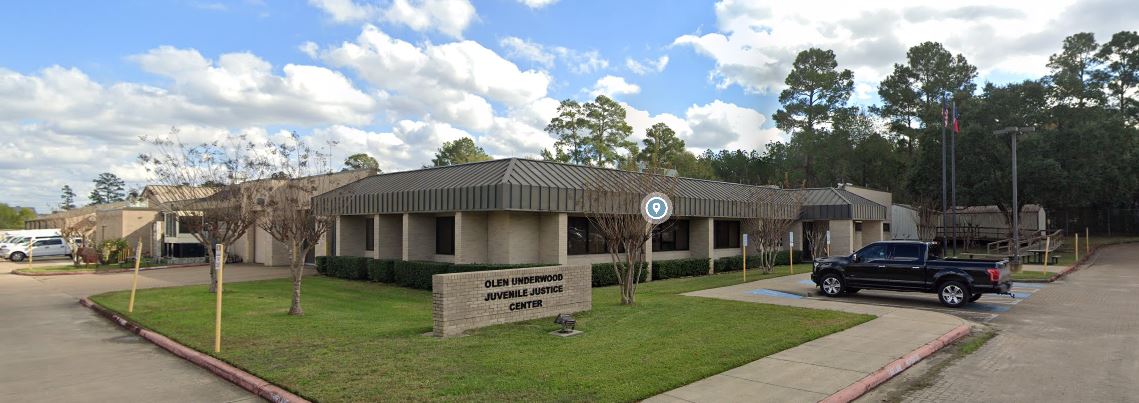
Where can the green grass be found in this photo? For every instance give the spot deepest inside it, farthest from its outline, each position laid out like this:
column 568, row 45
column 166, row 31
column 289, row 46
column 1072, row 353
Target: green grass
column 1032, row 275
column 82, row 268
column 364, row 341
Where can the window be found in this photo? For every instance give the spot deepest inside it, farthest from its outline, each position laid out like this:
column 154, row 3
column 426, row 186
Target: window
column 872, row 253
column 49, row 242
column 445, row 235
column 858, row 225
column 671, row 235
column 906, row 252
column 370, row 234
column 885, row 227
column 584, row 238
column 189, row 224
column 726, row 234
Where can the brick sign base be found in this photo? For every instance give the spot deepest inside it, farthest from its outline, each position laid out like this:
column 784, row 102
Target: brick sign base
column 464, row 301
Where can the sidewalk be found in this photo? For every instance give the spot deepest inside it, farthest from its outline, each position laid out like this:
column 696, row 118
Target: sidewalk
column 815, row 370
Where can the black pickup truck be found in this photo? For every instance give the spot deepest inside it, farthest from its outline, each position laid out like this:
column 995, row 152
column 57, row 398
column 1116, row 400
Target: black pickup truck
column 911, row 266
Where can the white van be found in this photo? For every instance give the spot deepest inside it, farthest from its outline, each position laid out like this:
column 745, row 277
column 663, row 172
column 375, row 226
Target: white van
column 21, row 236
column 43, row 247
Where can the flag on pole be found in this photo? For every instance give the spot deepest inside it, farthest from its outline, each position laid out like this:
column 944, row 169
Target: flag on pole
column 956, row 128
column 944, row 114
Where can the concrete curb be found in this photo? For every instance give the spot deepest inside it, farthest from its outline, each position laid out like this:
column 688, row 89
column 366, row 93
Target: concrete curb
column 245, row 380
column 857, row 389
column 174, row 266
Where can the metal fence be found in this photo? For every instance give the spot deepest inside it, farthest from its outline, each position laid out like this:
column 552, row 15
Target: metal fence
column 1104, row 222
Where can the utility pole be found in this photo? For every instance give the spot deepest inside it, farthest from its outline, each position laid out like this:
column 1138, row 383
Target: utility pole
column 953, row 175
column 1014, row 131
column 944, row 219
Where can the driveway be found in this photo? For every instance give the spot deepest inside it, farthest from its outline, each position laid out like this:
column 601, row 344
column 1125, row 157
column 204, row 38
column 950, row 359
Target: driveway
column 1077, row 340
column 55, row 350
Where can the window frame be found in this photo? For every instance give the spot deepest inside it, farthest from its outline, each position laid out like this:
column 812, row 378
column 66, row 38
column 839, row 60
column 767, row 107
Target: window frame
column 370, row 234
column 674, row 227
column 441, row 246
column 731, row 242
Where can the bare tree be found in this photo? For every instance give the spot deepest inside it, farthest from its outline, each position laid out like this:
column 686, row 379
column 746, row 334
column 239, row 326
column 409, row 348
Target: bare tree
column 817, row 237
column 201, row 187
column 927, row 219
column 287, row 204
column 75, row 230
column 771, row 213
column 612, row 202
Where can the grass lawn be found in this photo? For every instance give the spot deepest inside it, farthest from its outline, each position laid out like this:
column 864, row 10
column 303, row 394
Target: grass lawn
column 1032, row 275
column 363, row 341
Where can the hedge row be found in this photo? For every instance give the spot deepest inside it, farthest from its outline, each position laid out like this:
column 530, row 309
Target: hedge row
column 417, row 274
column 411, row 274
column 735, row 263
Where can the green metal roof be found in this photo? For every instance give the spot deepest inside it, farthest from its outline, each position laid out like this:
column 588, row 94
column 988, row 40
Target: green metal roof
column 529, row 185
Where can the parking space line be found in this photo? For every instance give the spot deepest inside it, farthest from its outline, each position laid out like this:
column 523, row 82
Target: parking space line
column 773, row 293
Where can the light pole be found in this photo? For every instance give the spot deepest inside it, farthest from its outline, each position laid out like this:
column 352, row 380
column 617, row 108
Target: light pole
column 1014, row 131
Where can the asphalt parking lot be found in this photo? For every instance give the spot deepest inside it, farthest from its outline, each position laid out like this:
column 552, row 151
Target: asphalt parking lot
column 984, row 310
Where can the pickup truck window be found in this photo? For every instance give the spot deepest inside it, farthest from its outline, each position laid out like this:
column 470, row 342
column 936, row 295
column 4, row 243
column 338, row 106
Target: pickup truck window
column 872, row 253
column 906, row 252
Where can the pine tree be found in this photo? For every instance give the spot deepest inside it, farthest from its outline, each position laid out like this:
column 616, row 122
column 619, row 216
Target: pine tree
column 108, row 189
column 68, row 198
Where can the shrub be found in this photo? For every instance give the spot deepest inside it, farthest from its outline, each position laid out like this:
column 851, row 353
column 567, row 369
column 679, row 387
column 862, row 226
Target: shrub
column 346, row 267
column 735, row 263
column 381, row 270
column 322, row 265
column 666, row 269
column 603, row 275
column 418, row 274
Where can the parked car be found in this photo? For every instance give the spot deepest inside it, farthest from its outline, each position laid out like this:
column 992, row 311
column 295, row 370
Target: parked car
column 43, row 247
column 911, row 266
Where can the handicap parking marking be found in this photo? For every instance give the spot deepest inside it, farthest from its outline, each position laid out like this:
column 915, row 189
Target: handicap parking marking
column 772, row 293
column 807, row 282
column 1029, row 285
column 986, row 307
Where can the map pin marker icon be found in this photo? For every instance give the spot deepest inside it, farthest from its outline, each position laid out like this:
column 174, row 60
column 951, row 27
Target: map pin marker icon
column 656, row 207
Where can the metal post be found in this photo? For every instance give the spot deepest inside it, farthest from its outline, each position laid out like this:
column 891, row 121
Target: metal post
column 944, row 219
column 953, row 183
column 1015, row 203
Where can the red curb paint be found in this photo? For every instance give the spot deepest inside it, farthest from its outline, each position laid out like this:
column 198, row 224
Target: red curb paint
column 245, row 380
column 176, row 266
column 857, row 389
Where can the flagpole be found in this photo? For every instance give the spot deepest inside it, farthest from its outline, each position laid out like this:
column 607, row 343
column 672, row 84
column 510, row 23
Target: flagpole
column 943, row 206
column 953, row 173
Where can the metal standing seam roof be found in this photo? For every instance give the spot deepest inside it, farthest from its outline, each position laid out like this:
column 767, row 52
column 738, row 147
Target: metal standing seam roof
column 528, row 185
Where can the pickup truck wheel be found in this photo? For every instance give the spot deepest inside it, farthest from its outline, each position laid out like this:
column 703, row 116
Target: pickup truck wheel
column 17, row 257
column 953, row 294
column 832, row 285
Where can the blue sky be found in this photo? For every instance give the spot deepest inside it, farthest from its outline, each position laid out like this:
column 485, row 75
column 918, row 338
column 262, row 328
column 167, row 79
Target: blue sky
column 81, row 81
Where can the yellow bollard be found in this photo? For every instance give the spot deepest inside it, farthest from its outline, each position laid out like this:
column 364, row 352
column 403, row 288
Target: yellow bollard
column 1087, row 242
column 134, row 280
column 1047, row 246
column 219, row 260
column 1077, row 247
column 745, row 259
column 31, row 249
column 791, row 258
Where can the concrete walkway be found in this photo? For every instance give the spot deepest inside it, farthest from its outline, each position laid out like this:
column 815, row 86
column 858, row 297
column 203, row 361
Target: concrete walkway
column 817, row 369
column 52, row 349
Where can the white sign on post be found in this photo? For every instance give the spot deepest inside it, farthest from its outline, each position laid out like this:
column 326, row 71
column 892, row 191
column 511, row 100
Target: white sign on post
column 828, row 237
column 791, row 235
column 745, row 240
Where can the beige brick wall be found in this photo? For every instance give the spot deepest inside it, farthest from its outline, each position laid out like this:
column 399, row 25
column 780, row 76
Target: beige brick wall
column 268, row 251
column 389, row 236
column 460, row 300
column 842, row 237
column 471, row 237
column 553, row 238
column 351, row 234
column 700, row 238
column 418, row 236
column 871, row 232
column 524, row 238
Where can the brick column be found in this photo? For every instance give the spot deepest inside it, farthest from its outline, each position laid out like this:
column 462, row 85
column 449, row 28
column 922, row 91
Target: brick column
column 700, row 239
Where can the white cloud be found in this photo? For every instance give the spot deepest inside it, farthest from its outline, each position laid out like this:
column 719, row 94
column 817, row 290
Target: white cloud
column 449, row 17
column 347, row 10
column 582, row 62
column 537, row 3
column 715, row 125
column 526, row 50
column 755, row 43
column 613, row 86
column 648, row 66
